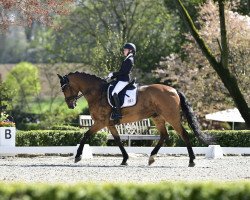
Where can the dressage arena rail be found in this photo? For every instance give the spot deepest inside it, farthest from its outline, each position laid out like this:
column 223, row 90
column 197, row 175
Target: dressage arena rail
column 212, row 151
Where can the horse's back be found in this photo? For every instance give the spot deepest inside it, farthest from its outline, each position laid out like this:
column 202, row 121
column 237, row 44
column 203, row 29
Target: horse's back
column 158, row 88
column 160, row 95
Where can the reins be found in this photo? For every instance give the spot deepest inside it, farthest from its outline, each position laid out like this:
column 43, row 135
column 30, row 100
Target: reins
column 74, row 97
column 65, row 83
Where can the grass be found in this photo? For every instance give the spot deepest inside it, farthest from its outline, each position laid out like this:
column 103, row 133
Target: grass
column 46, row 105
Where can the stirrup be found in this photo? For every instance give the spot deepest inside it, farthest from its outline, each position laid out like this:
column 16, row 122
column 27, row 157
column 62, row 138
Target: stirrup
column 115, row 116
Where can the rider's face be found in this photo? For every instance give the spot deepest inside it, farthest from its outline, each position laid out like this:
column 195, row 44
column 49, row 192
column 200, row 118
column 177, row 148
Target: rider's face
column 125, row 52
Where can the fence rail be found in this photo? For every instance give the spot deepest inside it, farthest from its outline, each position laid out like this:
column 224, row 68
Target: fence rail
column 104, row 150
column 142, row 127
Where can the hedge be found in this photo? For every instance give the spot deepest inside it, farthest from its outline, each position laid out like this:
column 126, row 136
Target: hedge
column 225, row 138
column 57, row 138
column 129, row 191
column 232, row 138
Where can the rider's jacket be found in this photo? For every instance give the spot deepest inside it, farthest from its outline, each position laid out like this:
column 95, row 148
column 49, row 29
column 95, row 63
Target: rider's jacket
column 124, row 73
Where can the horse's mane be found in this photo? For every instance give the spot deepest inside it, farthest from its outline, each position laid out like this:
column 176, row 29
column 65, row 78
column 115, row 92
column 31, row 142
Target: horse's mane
column 87, row 76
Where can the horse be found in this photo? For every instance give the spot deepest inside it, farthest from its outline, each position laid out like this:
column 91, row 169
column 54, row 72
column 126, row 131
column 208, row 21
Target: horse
column 159, row 102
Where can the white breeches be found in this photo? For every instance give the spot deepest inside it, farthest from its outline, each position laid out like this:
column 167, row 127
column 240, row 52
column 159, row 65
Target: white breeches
column 119, row 86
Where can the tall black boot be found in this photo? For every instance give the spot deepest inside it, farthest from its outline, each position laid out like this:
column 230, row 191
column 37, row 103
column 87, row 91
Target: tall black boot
column 116, row 115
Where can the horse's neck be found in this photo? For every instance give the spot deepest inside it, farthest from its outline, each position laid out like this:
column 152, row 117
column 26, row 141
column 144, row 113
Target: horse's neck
column 91, row 88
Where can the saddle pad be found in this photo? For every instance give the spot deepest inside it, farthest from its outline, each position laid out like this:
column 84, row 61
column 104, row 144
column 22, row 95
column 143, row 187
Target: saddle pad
column 127, row 97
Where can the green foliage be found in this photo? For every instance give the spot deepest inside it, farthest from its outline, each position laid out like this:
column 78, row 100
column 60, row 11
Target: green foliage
column 64, row 127
column 194, row 71
column 176, row 141
column 6, row 94
column 57, row 138
column 70, row 136
column 232, row 138
column 110, row 191
column 24, row 80
column 48, row 113
column 225, row 138
column 95, row 32
column 3, row 116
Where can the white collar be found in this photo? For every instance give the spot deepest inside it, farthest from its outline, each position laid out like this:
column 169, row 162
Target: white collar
column 130, row 54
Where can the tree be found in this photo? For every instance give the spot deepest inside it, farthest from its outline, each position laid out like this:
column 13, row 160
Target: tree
column 95, row 32
column 221, row 66
column 194, row 71
column 24, row 12
column 6, row 95
column 24, row 81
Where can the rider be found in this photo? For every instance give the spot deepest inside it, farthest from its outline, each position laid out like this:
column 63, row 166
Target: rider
column 122, row 77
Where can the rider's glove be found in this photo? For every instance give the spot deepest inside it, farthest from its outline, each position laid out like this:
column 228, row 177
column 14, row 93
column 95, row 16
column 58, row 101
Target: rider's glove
column 110, row 75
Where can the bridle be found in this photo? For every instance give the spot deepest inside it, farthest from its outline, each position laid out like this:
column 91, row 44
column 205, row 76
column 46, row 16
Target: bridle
column 75, row 97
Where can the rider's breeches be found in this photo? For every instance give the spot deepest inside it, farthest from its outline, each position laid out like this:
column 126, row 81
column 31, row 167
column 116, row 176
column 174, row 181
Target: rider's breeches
column 119, row 86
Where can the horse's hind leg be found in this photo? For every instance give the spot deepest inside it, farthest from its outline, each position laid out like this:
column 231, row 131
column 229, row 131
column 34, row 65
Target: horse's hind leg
column 184, row 135
column 160, row 125
column 117, row 139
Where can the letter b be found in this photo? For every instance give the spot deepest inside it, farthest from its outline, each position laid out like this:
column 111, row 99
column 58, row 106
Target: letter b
column 7, row 133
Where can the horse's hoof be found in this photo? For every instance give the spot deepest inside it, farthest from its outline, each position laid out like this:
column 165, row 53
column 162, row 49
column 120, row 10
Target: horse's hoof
column 192, row 164
column 124, row 163
column 151, row 160
column 77, row 159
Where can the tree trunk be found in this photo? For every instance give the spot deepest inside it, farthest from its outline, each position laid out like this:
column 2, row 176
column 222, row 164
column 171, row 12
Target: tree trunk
column 223, row 33
column 221, row 68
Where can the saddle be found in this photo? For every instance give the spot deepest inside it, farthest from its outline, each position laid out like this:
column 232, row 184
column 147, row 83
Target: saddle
column 127, row 97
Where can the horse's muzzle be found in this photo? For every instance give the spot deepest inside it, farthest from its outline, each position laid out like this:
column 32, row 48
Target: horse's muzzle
column 72, row 104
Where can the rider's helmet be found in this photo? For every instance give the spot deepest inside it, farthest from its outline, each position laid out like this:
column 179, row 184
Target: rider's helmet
column 131, row 47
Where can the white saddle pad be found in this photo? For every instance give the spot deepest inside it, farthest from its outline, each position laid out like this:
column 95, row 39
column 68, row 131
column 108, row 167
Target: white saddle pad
column 130, row 98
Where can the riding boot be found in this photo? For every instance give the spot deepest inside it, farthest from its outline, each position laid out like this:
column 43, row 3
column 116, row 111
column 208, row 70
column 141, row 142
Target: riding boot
column 116, row 115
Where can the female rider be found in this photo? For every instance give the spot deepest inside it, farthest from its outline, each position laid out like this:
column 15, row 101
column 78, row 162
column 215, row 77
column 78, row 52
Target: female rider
column 122, row 77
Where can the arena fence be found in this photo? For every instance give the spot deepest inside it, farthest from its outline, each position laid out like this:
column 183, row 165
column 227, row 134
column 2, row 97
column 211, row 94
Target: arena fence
column 212, row 151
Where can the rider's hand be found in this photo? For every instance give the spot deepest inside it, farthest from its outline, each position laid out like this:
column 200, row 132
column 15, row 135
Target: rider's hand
column 110, row 75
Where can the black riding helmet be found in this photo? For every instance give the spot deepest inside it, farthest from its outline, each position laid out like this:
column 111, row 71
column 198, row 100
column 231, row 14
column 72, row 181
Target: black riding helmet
column 131, row 47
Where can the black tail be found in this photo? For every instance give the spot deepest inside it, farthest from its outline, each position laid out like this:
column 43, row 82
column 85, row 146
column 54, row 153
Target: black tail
column 192, row 120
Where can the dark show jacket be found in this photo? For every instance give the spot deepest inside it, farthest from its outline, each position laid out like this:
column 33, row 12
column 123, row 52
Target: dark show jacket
column 124, row 73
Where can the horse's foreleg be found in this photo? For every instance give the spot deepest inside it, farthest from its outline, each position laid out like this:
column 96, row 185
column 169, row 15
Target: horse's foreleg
column 86, row 136
column 117, row 139
column 160, row 125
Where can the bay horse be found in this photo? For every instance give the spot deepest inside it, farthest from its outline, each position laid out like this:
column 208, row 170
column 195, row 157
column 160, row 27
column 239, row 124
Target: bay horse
column 160, row 102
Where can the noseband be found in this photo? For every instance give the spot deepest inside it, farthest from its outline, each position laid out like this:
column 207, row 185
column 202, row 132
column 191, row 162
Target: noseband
column 75, row 97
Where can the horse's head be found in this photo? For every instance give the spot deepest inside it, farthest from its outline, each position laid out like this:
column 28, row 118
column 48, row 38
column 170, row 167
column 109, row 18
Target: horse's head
column 70, row 92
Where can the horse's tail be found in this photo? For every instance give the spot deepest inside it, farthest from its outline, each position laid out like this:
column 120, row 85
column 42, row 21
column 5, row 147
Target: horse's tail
column 192, row 120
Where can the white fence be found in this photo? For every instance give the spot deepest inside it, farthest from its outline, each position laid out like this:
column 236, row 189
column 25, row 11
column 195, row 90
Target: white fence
column 142, row 127
column 139, row 130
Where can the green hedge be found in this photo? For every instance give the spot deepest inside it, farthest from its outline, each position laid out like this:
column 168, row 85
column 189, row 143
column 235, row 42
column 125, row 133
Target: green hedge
column 132, row 191
column 64, row 137
column 65, row 127
column 225, row 138
column 232, row 138
column 57, row 138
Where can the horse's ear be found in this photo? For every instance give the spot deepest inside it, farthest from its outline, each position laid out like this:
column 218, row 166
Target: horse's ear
column 60, row 76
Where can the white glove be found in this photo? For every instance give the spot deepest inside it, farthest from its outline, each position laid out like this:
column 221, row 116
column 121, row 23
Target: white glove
column 110, row 75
